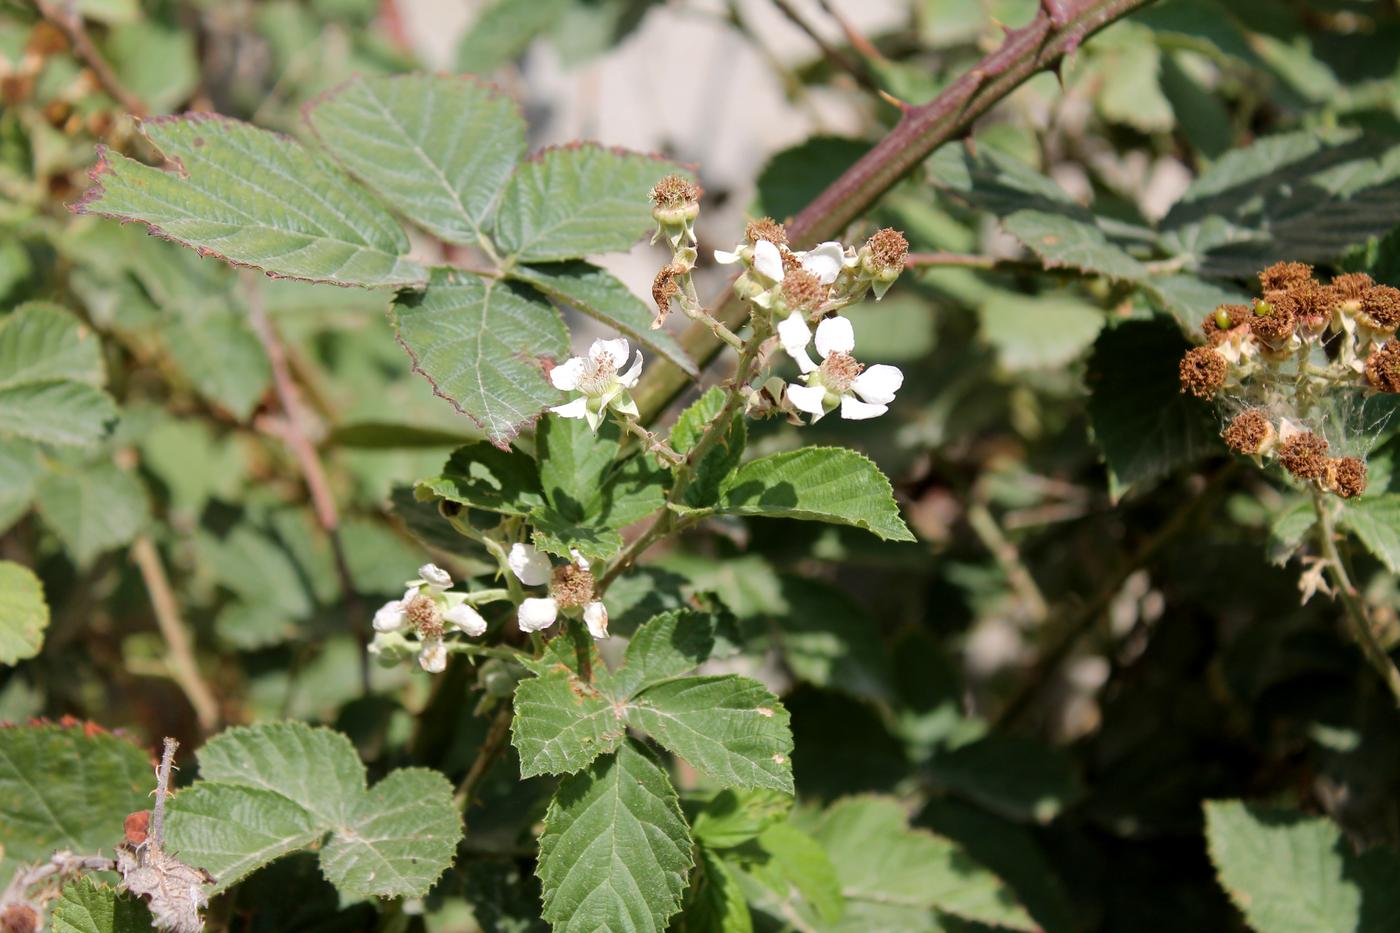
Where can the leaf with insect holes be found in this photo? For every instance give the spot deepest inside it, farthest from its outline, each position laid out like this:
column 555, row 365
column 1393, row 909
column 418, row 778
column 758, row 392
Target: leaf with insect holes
column 576, row 201
column 615, row 849
column 66, row 787
column 254, row 198
column 265, row 791
column 1291, row 873
column 821, row 484
column 731, row 728
column 482, row 344
column 598, row 294
column 50, row 378
column 24, row 615
column 438, row 149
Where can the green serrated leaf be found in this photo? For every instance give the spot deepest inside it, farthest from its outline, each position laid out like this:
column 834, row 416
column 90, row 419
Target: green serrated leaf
column 824, row 484
column 729, row 727
column 24, row 615
column 254, row 198
column 85, row 906
column 20, row 468
column 711, row 472
column 485, row 477
column 481, row 344
column 50, row 377
column 438, row 149
column 92, row 508
column 1142, row 422
column 222, row 357
column 268, row 790
column 714, row 902
column 598, row 294
column 667, row 645
column 731, row 818
column 1031, row 332
column 892, row 876
column 793, row 875
column 1018, row 777
column 1289, row 873
column 562, row 723
column 577, row 201
column 502, row 30
column 573, row 461
column 1375, row 520
column 615, row 849
column 65, row 787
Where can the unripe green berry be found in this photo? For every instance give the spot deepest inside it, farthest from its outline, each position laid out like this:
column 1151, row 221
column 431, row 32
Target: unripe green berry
column 1222, row 319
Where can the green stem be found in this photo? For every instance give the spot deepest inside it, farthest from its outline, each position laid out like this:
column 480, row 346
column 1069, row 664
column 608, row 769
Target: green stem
column 1357, row 618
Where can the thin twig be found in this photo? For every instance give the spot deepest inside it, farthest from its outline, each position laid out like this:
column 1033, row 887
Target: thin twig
column 832, row 54
column 62, row 863
column 1357, row 617
column 296, row 432
column 491, row 747
column 64, row 14
column 985, row 526
column 167, row 759
column 1074, row 621
column 179, row 657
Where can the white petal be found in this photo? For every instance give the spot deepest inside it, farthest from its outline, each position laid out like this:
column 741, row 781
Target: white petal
column 825, row 261
column 878, row 384
column 634, row 372
column 808, row 399
column 615, row 350
column 795, row 335
column 566, row 375
column 853, row 409
column 728, row 259
column 433, row 656
column 435, row 576
column 529, row 565
column 578, row 408
column 595, row 616
column 465, row 618
column 537, row 614
column 834, row 335
column 390, row 617
column 579, row 559
column 767, row 261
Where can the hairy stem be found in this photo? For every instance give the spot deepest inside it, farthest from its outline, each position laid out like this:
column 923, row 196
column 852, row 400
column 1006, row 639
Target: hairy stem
column 167, row 759
column 64, row 14
column 296, row 433
column 1357, row 617
column 179, row 657
column 1024, row 52
column 491, row 748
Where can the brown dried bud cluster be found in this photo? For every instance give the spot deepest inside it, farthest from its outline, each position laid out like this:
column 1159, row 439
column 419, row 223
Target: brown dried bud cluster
column 1383, row 367
column 1274, row 321
column 1284, row 275
column 1350, row 286
column 571, row 586
column 1250, row 433
column 766, row 228
column 1380, row 307
column 1346, row 476
column 803, row 291
column 1304, row 455
column 675, row 191
column 664, row 288
column 1203, row 372
column 888, row 248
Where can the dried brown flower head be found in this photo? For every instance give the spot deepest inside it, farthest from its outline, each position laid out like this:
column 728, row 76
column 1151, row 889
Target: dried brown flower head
column 675, row 191
column 1274, row 321
column 1346, row 476
column 1380, row 307
column 888, row 248
column 19, row 918
column 766, row 228
column 1304, row 455
column 663, row 289
column 1282, row 275
column 1309, row 303
column 423, row 612
column 802, row 290
column 1350, row 286
column 571, row 586
column 1203, row 372
column 1224, row 320
column 1250, row 433
column 1383, row 367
